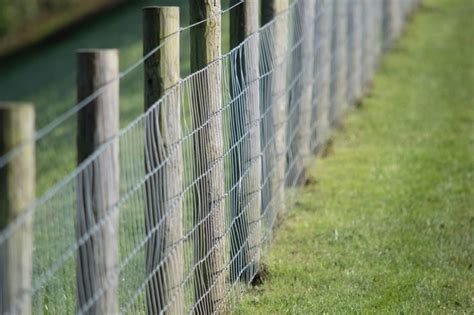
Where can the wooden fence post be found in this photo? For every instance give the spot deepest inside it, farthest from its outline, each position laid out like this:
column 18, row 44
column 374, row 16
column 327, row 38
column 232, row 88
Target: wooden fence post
column 98, row 183
column 245, row 112
column 209, row 216
column 339, row 61
column 274, row 10
column 344, row 43
column 373, row 14
column 366, row 48
column 322, row 65
column 391, row 22
column 334, row 63
column 350, row 51
column 378, row 41
column 17, row 192
column 303, row 135
column 354, row 51
column 377, row 36
column 164, row 213
column 398, row 20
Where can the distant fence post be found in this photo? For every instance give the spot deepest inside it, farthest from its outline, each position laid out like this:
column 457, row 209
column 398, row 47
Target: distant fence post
column 307, row 13
column 378, row 40
column 245, row 123
column 339, row 61
column 17, row 192
column 373, row 38
column 344, row 42
column 323, row 38
column 274, row 9
column 209, row 217
column 398, row 11
column 366, row 49
column 98, row 183
column 391, row 22
column 350, row 50
column 164, row 213
column 354, row 51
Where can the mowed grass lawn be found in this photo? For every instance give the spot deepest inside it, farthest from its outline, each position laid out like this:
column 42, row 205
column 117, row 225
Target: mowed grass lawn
column 386, row 224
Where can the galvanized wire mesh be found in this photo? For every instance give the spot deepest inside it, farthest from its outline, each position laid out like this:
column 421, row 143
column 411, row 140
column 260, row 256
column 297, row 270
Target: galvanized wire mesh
column 190, row 231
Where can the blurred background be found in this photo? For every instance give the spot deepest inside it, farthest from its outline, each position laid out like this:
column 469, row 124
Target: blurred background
column 38, row 42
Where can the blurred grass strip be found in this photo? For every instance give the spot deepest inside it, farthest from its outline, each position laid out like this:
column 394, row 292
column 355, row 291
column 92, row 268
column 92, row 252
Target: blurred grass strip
column 24, row 23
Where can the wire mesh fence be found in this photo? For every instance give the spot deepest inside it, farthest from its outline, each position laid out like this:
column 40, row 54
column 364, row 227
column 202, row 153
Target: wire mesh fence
column 185, row 228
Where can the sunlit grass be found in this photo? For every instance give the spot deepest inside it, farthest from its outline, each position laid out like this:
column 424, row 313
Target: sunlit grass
column 387, row 223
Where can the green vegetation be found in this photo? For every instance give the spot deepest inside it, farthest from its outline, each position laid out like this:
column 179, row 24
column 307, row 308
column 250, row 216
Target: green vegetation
column 27, row 22
column 386, row 223
column 14, row 14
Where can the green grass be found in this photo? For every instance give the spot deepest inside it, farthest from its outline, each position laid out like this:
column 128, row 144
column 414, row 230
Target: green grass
column 387, row 223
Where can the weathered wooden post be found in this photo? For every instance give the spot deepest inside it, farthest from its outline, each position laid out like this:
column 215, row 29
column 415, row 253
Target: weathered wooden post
column 163, row 161
column 322, row 65
column 377, row 7
column 17, row 193
column 246, row 157
column 98, row 183
column 354, row 51
column 274, row 10
column 398, row 20
column 344, row 43
column 303, row 135
column 209, row 216
column 391, row 22
column 372, row 12
column 350, row 51
column 339, row 61
column 366, row 44
column 386, row 29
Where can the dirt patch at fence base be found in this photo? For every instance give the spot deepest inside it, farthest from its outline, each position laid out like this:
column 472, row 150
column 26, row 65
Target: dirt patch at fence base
column 310, row 181
column 328, row 149
column 262, row 274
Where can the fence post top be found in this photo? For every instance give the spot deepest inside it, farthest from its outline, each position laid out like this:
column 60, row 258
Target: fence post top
column 167, row 11
column 97, row 51
column 160, row 7
column 16, row 106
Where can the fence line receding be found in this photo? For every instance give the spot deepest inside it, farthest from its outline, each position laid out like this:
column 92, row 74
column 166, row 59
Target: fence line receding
column 173, row 213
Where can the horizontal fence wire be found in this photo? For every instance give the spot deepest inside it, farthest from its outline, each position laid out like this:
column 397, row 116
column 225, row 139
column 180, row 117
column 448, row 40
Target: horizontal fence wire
column 203, row 244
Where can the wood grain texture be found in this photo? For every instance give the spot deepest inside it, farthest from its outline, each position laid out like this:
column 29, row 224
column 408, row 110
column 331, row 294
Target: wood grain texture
column 17, row 193
column 303, row 137
column 164, row 160
column 98, row 183
column 322, row 66
column 339, row 62
column 354, row 91
column 209, row 239
column 246, row 157
column 273, row 9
